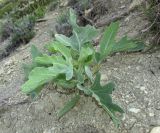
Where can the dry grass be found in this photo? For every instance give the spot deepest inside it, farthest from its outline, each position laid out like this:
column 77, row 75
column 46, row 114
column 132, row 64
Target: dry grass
column 154, row 18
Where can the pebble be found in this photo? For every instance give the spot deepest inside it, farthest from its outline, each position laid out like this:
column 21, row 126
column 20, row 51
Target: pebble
column 151, row 114
column 155, row 130
column 9, row 63
column 134, row 110
column 9, row 72
column 142, row 88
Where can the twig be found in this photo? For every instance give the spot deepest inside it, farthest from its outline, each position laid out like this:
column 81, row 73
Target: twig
column 150, row 25
column 41, row 20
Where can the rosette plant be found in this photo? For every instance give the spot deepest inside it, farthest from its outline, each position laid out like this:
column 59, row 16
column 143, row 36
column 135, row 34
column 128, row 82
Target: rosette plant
column 73, row 63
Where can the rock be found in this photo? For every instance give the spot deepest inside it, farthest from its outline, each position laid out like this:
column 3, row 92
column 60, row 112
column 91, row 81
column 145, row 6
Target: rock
column 134, row 110
column 155, row 130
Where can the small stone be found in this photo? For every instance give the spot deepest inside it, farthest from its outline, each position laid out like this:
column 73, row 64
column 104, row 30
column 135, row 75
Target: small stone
column 9, row 63
column 155, row 130
column 122, row 7
column 9, row 71
column 134, row 110
column 26, row 57
column 142, row 88
column 151, row 114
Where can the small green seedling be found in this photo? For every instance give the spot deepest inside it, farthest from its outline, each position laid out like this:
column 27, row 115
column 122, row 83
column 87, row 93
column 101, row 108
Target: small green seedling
column 74, row 64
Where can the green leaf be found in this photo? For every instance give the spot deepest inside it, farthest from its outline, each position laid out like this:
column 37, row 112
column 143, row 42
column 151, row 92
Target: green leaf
column 60, row 65
column 66, row 84
column 126, row 44
column 72, row 17
column 115, row 107
column 89, row 73
column 61, row 81
column 139, row 46
column 108, row 39
column 84, row 89
column 35, row 92
column 35, row 52
column 81, row 35
column 66, row 52
column 45, row 60
column 102, row 95
column 63, row 39
column 38, row 77
column 27, row 68
column 97, row 57
column 86, row 34
column 80, row 74
column 86, row 55
column 68, row 106
column 109, row 88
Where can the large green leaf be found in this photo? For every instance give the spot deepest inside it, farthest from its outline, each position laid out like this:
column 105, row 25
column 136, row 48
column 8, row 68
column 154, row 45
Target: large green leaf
column 60, row 65
column 102, row 95
column 38, row 77
column 41, row 75
column 69, row 105
column 108, row 39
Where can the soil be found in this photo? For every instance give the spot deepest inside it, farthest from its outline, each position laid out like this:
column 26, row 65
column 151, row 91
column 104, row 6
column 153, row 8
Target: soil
column 137, row 76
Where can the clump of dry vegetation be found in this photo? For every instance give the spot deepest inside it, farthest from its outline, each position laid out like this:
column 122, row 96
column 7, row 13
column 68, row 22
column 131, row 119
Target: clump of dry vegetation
column 17, row 20
column 154, row 18
column 87, row 11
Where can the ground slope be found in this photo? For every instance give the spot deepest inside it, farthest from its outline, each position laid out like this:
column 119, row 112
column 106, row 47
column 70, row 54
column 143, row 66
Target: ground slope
column 137, row 76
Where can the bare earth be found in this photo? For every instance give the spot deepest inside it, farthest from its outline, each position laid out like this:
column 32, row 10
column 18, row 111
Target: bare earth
column 137, row 77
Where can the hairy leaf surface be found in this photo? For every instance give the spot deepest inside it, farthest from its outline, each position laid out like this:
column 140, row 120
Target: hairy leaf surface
column 108, row 39
column 126, row 44
column 38, row 77
column 102, row 95
column 79, row 37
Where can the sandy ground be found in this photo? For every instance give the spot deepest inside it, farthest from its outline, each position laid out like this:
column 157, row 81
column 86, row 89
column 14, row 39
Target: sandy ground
column 137, row 76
